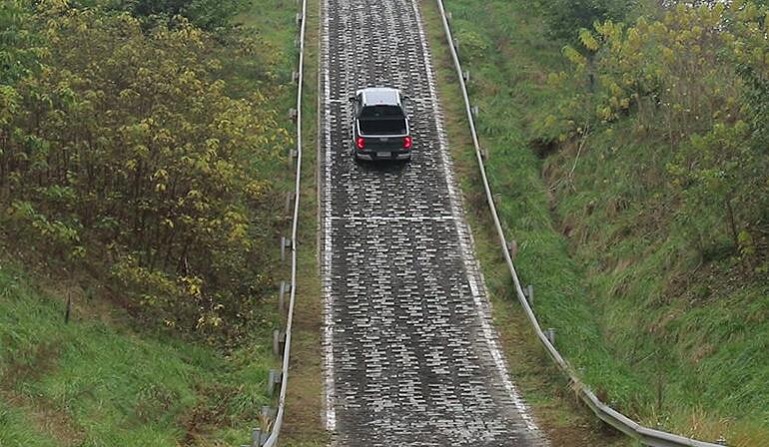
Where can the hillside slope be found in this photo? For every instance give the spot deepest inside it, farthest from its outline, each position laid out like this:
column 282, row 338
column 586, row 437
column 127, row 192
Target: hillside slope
column 670, row 332
column 98, row 381
column 142, row 175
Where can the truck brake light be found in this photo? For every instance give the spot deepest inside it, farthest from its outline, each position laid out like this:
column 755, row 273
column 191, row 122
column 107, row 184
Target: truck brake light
column 407, row 142
column 360, row 143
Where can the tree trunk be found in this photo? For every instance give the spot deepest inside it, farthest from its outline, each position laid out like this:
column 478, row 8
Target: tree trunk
column 731, row 222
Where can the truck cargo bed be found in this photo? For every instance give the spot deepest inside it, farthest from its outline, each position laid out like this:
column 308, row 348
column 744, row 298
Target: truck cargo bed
column 383, row 127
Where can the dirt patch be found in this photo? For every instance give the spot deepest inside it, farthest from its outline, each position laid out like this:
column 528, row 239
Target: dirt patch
column 30, row 365
column 210, row 413
column 46, row 419
column 544, row 148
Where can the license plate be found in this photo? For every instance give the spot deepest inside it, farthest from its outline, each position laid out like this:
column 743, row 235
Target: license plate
column 384, row 139
column 384, row 154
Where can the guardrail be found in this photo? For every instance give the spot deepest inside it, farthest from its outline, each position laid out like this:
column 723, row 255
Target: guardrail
column 259, row 439
column 647, row 436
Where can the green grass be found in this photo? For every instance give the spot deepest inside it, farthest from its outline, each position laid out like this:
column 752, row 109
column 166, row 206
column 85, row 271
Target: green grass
column 274, row 21
column 658, row 333
column 96, row 382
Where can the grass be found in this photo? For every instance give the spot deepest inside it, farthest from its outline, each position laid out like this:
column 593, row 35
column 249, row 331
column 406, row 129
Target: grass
column 102, row 380
column 672, row 340
column 303, row 426
column 95, row 381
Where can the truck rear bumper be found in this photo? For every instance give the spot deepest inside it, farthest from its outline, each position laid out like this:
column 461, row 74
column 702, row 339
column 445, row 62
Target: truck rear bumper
column 395, row 155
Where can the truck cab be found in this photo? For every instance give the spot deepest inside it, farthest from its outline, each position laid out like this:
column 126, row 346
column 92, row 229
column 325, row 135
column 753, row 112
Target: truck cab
column 380, row 128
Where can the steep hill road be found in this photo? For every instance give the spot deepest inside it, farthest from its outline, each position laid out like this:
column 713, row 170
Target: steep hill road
column 411, row 356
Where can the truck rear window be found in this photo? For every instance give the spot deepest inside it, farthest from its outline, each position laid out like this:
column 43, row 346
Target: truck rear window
column 381, row 111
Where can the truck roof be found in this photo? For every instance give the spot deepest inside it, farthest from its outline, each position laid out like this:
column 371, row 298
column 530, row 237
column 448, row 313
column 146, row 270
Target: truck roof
column 380, row 96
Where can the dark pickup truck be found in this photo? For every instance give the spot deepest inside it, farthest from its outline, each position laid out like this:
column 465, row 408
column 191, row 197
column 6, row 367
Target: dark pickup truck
column 380, row 128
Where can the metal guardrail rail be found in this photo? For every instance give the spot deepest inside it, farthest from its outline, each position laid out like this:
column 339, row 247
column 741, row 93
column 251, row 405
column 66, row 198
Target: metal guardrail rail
column 281, row 377
column 645, row 435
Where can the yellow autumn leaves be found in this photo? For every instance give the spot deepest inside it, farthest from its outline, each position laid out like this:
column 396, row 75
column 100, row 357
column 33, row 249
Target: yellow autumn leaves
column 124, row 146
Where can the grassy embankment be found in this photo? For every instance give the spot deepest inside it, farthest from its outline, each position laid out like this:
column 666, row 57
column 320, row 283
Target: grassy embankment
column 102, row 379
column 666, row 341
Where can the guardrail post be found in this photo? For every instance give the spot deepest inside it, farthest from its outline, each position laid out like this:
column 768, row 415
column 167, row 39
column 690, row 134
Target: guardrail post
column 528, row 292
column 292, row 114
column 484, row 153
column 475, row 111
column 289, row 200
column 256, row 437
column 550, row 335
column 721, row 440
column 68, row 309
column 295, row 76
column 449, row 16
column 284, row 244
column 284, row 289
column 273, row 380
column 268, row 413
column 512, row 249
column 466, row 76
column 298, row 18
column 456, row 45
column 278, row 341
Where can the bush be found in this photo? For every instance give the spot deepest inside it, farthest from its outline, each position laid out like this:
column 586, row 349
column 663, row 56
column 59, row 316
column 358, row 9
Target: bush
column 697, row 80
column 124, row 149
column 565, row 18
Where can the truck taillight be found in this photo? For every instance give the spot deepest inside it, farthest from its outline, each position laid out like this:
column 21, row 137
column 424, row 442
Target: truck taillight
column 407, row 142
column 360, row 143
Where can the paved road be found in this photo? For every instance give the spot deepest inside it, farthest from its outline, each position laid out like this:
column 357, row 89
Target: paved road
column 410, row 353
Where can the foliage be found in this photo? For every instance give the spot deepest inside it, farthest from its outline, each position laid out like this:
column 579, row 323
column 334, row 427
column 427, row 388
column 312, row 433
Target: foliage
column 17, row 54
column 565, row 17
column 124, row 150
column 206, row 14
column 696, row 78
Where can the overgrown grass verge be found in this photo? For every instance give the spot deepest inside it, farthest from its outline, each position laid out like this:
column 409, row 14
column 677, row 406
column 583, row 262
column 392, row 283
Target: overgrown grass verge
column 671, row 343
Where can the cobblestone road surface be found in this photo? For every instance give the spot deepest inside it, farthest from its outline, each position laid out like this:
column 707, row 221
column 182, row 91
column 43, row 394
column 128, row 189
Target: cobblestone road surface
column 411, row 357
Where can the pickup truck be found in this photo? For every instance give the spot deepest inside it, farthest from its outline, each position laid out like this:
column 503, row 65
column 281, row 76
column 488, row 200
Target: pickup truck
column 380, row 128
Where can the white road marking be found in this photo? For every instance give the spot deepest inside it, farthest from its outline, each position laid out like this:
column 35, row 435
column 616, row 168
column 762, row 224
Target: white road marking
column 394, row 218
column 328, row 308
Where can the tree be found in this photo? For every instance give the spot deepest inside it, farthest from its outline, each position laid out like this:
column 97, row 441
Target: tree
column 125, row 152
column 566, row 17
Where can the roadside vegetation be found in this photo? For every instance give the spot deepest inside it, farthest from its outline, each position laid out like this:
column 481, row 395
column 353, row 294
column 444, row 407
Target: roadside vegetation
column 628, row 148
column 143, row 173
